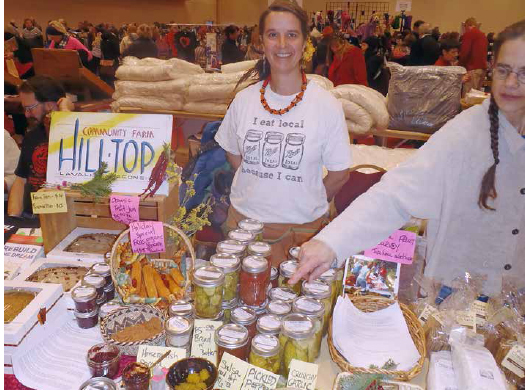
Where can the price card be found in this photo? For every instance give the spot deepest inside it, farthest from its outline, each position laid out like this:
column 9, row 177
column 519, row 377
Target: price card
column 480, row 310
column 147, row 237
column 398, row 248
column 231, row 375
column 515, row 361
column 302, row 375
column 466, row 318
column 148, row 354
column 49, row 202
column 203, row 344
column 124, row 209
column 259, row 379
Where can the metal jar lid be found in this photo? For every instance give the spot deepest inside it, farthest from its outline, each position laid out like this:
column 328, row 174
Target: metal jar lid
column 251, row 225
column 94, row 280
column 231, row 336
column 287, row 268
column 109, row 307
column 265, row 345
column 243, row 236
column 219, row 317
column 243, row 315
column 310, row 307
column 297, row 326
column 261, row 309
column 176, row 326
column 294, row 252
column 260, row 248
column 269, row 324
column 317, row 289
column 88, row 314
column 274, row 273
column 101, row 269
column 181, row 308
column 228, row 305
column 282, row 293
column 109, row 287
column 99, row 383
column 228, row 262
column 328, row 277
column 279, row 308
column 254, row 264
column 83, row 293
column 208, row 276
column 231, row 246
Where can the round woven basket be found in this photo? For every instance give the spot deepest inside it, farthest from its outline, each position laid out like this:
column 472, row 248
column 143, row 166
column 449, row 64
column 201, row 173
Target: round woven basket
column 370, row 304
column 124, row 236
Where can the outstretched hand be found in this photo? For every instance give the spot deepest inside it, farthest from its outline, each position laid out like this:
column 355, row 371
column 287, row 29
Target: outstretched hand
column 315, row 258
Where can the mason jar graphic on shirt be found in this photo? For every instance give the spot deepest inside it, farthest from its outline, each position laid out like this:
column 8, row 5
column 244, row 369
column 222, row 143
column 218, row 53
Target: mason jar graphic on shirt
column 252, row 147
column 293, row 151
column 272, row 149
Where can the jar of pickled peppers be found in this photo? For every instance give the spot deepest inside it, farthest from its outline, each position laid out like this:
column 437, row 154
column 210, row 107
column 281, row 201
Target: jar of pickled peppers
column 313, row 309
column 296, row 340
column 323, row 292
column 265, row 353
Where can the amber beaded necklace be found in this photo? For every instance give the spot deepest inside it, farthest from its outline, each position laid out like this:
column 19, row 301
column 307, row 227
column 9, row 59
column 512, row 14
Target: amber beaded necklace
column 294, row 102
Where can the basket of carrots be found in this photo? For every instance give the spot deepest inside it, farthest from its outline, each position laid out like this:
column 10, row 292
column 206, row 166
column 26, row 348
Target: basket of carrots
column 144, row 279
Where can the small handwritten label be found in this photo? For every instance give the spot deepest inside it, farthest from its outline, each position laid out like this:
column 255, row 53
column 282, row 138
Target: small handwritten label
column 148, row 354
column 147, row 237
column 480, row 310
column 203, row 344
column 124, row 209
column 398, row 248
column 467, row 319
column 259, row 379
column 427, row 312
column 49, row 202
column 231, row 374
column 302, row 375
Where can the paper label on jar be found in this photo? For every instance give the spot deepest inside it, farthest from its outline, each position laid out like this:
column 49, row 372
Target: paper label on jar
column 231, row 334
column 290, row 267
column 250, row 224
column 317, row 287
column 83, row 292
column 480, row 310
column 260, row 246
column 208, row 274
column 278, row 308
column 301, row 326
column 466, row 318
column 253, row 262
column 101, row 268
column 181, row 307
column 225, row 262
column 270, row 322
column 178, row 324
column 515, row 361
column 309, row 306
column 294, row 252
column 93, row 279
column 229, row 247
column 284, row 295
column 241, row 236
column 266, row 343
column 242, row 314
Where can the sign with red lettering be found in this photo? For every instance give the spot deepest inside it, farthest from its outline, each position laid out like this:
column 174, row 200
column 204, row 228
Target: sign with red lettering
column 398, row 248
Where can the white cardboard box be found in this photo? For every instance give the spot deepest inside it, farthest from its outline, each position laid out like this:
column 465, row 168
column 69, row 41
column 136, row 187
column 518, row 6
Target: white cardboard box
column 17, row 257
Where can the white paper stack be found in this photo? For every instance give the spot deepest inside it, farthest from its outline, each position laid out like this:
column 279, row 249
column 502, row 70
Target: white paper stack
column 366, row 339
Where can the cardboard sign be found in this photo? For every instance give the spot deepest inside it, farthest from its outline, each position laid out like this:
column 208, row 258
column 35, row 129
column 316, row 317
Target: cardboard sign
column 129, row 143
column 124, row 209
column 302, row 375
column 259, row 379
column 203, row 343
column 147, row 237
column 149, row 354
column 398, row 248
column 232, row 371
column 49, row 202
column 403, row 5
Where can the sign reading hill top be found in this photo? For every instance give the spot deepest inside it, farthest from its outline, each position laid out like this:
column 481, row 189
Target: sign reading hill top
column 129, row 143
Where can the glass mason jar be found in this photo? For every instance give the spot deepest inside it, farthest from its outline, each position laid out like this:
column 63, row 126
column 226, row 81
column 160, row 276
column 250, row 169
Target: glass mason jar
column 274, row 278
column 296, row 340
column 232, row 338
column 227, row 307
column 294, row 252
column 107, row 308
column 178, row 331
column 259, row 310
column 252, row 147
column 232, row 247
column 269, row 324
column 243, row 236
column 261, row 249
column 271, row 155
column 265, row 353
column 329, row 278
column 282, row 293
column 253, row 226
column 313, row 309
column 279, row 308
column 104, row 270
column 293, row 151
column 181, row 308
column 323, row 292
column 208, row 284
column 339, row 275
column 254, row 280
column 243, row 315
column 230, row 266
column 286, row 270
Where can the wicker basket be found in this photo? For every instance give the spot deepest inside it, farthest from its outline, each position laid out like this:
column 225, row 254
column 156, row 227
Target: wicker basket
column 162, row 265
column 370, row 304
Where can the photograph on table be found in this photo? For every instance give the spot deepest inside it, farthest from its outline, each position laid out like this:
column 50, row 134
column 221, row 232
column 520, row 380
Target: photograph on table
column 365, row 274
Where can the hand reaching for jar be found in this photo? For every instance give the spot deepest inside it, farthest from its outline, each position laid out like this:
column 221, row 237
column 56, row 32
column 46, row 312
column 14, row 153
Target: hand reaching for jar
column 315, row 258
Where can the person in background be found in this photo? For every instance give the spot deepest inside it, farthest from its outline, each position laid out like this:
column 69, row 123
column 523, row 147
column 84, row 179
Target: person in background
column 95, row 46
column 375, row 69
column 171, row 41
column 415, row 30
column 436, row 34
column 321, row 58
column 425, row 51
column 348, row 65
column 11, row 156
column 60, row 39
column 473, row 55
column 230, row 51
column 200, row 53
column 449, row 53
column 255, row 49
column 32, row 34
column 144, row 46
column 130, row 37
column 17, row 49
column 401, row 51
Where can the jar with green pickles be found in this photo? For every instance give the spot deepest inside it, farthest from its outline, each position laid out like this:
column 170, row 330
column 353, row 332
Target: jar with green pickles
column 208, row 282
column 269, row 324
column 313, row 309
column 282, row 293
column 232, row 247
column 279, row 308
column 339, row 275
column 329, row 278
column 244, row 236
column 286, row 270
column 230, row 265
column 296, row 340
column 265, row 353
column 253, row 226
column 323, row 292
column 227, row 308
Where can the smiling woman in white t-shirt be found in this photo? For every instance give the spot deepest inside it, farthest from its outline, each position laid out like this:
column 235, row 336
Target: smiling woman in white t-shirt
column 279, row 133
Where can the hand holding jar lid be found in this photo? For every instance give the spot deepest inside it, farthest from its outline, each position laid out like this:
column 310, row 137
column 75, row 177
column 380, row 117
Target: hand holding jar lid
column 265, row 353
column 230, row 265
column 208, row 282
column 232, row 338
column 282, row 293
column 244, row 236
column 254, row 280
column 233, row 247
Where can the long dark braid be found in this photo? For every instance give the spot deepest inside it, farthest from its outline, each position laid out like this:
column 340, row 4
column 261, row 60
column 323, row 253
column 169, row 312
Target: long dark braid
column 488, row 184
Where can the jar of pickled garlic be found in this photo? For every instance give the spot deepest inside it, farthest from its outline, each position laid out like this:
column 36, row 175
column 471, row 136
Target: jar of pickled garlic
column 232, row 338
column 265, row 353
column 232, row 247
column 230, row 266
column 282, row 293
column 323, row 292
column 269, row 324
column 313, row 309
column 253, row 226
column 243, row 315
column 286, row 270
column 208, row 284
column 254, row 280
column 296, row 340
column 279, row 308
column 243, row 236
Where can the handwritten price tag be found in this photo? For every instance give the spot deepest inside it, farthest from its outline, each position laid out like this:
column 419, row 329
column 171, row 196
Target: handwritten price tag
column 147, row 237
column 124, row 209
column 259, row 379
column 49, row 202
column 232, row 371
column 303, row 375
column 149, row 354
column 203, row 344
column 398, row 248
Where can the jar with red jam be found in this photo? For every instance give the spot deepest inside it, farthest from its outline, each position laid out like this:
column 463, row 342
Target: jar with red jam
column 104, row 270
column 261, row 249
column 254, row 280
column 85, row 298
column 232, row 338
column 136, row 376
column 87, row 320
column 103, row 360
column 246, row 317
column 96, row 281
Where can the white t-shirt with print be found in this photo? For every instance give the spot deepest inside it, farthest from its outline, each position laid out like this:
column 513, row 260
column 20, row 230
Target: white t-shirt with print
column 280, row 179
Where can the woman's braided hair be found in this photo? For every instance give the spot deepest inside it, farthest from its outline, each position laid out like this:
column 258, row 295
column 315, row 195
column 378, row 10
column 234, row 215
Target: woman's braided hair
column 488, row 183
